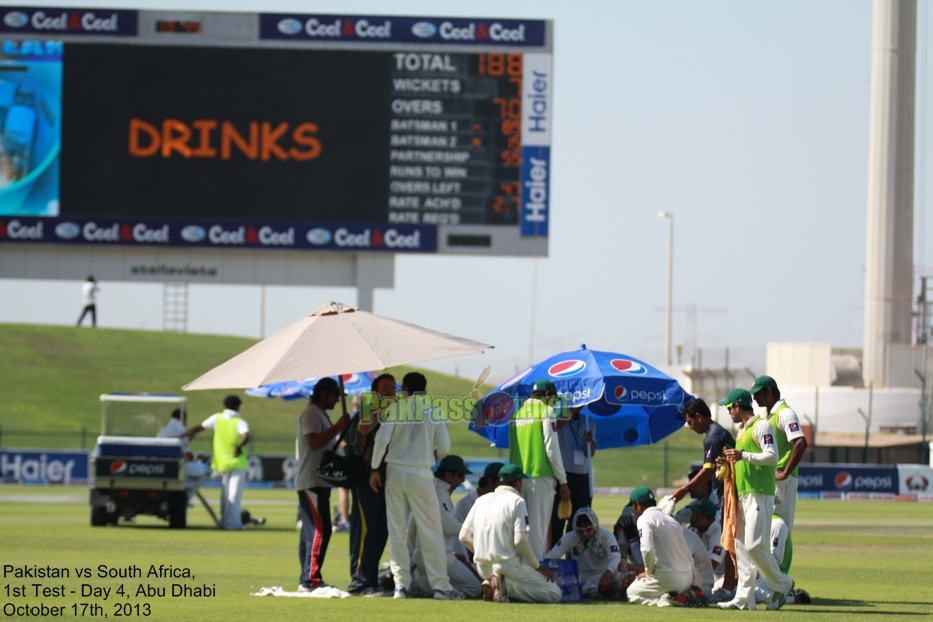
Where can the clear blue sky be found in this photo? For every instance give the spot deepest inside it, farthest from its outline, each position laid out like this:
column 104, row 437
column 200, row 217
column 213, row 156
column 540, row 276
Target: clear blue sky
column 747, row 120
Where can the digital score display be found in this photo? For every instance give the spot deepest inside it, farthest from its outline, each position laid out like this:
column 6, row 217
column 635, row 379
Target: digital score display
column 303, row 144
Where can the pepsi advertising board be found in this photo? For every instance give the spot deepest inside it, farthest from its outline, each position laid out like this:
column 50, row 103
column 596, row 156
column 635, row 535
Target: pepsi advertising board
column 848, row 478
column 298, row 143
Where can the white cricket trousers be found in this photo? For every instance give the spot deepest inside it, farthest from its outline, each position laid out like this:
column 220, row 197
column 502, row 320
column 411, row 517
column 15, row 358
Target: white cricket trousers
column 461, row 578
column 753, row 550
column 651, row 589
column 411, row 489
column 231, row 493
column 523, row 583
column 538, row 494
column 785, row 501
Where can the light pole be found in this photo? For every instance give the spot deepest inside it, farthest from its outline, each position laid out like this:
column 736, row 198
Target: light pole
column 670, row 281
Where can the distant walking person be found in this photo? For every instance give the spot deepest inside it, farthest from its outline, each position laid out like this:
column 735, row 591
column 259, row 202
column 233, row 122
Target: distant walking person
column 88, row 297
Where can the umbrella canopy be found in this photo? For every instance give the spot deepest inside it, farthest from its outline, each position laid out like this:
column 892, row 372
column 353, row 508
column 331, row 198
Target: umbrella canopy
column 353, row 384
column 631, row 402
column 335, row 339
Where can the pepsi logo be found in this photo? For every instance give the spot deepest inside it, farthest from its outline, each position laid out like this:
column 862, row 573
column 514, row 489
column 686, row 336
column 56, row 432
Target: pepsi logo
column 117, row 467
column 514, row 379
column 67, row 230
column 566, row 368
column 290, row 26
column 843, row 480
column 497, row 408
column 319, row 236
column 15, row 19
column 620, row 392
column 193, row 233
column 628, row 367
column 424, row 30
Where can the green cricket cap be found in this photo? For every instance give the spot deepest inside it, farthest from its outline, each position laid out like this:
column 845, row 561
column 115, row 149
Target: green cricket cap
column 453, row 463
column 761, row 382
column 511, row 473
column 545, row 386
column 703, row 507
column 737, row 396
column 641, row 495
column 492, row 470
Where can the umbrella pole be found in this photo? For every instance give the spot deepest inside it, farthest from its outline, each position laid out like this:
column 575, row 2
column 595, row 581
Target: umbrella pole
column 343, row 394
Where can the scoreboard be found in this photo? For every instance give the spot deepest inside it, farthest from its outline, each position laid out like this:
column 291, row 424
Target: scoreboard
column 275, row 131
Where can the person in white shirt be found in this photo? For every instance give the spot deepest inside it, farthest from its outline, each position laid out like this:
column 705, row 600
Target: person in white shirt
column 450, row 473
column 596, row 552
column 668, row 563
column 316, row 434
column 577, row 447
column 703, row 576
column 89, row 301
column 412, row 437
column 487, row 483
column 231, row 435
column 791, row 445
column 703, row 523
column 196, row 472
column 496, row 530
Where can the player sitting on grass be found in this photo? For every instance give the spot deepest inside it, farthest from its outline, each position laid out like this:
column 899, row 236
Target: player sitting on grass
column 597, row 554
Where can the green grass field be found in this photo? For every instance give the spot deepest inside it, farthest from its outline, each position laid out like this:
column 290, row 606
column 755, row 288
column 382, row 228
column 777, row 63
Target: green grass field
column 860, row 560
column 54, row 375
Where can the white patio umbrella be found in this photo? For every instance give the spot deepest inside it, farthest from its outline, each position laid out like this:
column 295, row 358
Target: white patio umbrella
column 335, row 339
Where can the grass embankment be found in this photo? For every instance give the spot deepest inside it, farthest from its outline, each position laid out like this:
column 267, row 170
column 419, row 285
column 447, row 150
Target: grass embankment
column 53, row 377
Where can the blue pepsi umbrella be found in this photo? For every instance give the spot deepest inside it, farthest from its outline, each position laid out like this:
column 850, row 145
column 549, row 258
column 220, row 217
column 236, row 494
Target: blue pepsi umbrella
column 300, row 389
column 631, row 402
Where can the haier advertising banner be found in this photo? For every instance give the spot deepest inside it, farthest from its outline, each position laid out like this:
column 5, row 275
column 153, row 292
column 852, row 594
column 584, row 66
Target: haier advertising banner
column 44, row 466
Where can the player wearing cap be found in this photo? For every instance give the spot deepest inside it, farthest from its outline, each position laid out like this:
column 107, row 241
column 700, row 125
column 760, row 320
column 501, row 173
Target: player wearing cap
column 487, row 483
column 496, row 530
column 411, row 438
column 596, row 552
column 450, row 473
column 754, row 457
column 534, row 446
column 668, row 564
column 316, row 435
column 703, row 522
column 791, row 445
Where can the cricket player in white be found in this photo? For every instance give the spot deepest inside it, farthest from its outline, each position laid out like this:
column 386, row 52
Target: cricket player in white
column 668, row 564
column 754, row 457
column 450, row 473
column 496, row 530
column 414, row 440
column 703, row 576
column 779, row 535
column 596, row 552
column 791, row 445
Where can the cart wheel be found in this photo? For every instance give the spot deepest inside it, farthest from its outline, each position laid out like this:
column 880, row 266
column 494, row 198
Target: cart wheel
column 99, row 517
column 178, row 518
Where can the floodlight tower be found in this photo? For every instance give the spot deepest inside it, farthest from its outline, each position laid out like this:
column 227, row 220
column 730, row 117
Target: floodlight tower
column 889, row 235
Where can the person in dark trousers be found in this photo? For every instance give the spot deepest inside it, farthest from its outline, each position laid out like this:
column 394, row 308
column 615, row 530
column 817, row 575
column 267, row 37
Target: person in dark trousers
column 369, row 529
column 575, row 437
column 316, row 434
column 88, row 298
